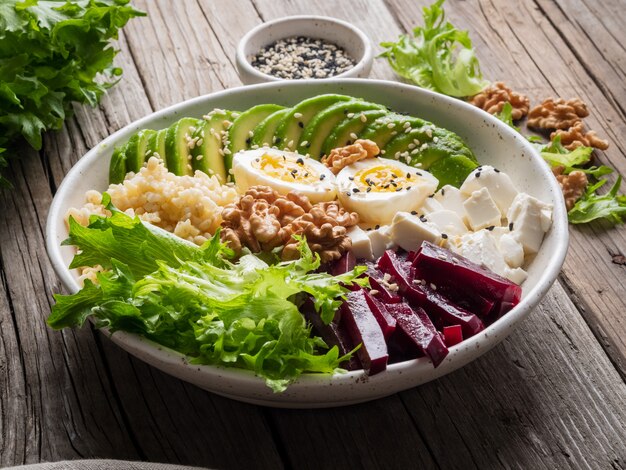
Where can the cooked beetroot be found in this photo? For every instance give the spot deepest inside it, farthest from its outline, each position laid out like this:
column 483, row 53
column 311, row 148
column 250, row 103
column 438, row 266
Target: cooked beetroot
column 363, row 328
column 416, row 325
column 444, row 311
column 386, row 321
column 470, row 301
column 333, row 334
column 452, row 335
column 441, row 266
column 344, row 264
column 382, row 292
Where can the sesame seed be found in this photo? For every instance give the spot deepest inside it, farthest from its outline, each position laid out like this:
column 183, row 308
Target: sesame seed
column 511, row 227
column 353, row 136
column 290, row 144
column 250, row 134
column 304, row 144
column 300, row 124
column 391, row 125
column 350, row 115
column 433, row 286
column 363, row 118
column 413, row 212
column 297, row 115
column 444, row 236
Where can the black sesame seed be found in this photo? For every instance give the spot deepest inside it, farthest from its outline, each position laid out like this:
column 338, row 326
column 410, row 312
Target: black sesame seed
column 355, row 190
column 443, row 191
column 408, row 176
column 300, row 124
column 322, row 177
column 432, row 195
column 278, row 139
column 491, row 227
column 377, row 227
column 300, row 161
column 398, row 189
column 408, row 187
column 478, row 174
column 351, row 178
column 496, row 170
column 444, row 236
column 511, row 227
column 348, row 193
column 423, row 219
column 413, row 212
column 248, row 141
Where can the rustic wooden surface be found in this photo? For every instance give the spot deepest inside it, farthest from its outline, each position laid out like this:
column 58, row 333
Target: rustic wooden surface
column 553, row 395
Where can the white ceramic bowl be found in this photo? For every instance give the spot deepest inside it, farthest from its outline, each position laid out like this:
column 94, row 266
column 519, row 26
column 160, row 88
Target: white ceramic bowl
column 339, row 32
column 493, row 142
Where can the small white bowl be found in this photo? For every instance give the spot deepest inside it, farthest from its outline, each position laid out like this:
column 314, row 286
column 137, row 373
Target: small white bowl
column 356, row 44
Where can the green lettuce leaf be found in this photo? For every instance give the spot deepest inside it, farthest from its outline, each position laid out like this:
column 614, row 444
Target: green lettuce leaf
column 557, row 155
column 53, row 52
column 593, row 206
column 506, row 116
column 438, row 56
column 198, row 301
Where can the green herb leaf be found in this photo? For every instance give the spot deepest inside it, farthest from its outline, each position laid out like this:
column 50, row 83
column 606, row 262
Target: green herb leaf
column 506, row 116
column 63, row 55
column 438, row 56
column 593, row 206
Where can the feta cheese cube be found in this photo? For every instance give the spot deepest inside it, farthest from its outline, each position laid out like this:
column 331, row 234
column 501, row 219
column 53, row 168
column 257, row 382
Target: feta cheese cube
column 451, row 199
column 431, row 205
column 510, row 248
column 380, row 240
column 361, row 244
column 447, row 222
column 481, row 248
column 500, row 186
column 481, row 210
column 408, row 231
column 529, row 218
column 516, row 275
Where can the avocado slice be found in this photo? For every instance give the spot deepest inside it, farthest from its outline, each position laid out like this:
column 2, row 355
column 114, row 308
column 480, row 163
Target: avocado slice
column 156, row 144
column 452, row 170
column 265, row 131
column 290, row 129
column 208, row 150
column 324, row 122
column 117, row 166
column 383, row 129
column 241, row 132
column 137, row 149
column 346, row 130
column 177, row 148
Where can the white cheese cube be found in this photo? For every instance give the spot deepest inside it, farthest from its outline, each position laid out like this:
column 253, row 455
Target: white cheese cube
column 451, row 199
column 510, row 248
column 500, row 186
column 380, row 240
column 481, row 210
column 516, row 275
column 431, row 205
column 447, row 222
column 481, row 248
column 529, row 218
column 408, row 231
column 361, row 244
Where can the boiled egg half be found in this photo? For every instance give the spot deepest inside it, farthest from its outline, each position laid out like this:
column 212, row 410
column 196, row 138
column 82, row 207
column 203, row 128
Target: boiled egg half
column 284, row 172
column 377, row 188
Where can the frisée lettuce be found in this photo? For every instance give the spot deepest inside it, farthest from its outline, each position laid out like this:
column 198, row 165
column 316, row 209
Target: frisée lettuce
column 200, row 302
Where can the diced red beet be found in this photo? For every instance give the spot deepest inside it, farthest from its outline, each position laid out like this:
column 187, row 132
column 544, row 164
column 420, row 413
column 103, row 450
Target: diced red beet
column 452, row 335
column 428, row 298
column 440, row 307
column 416, row 324
column 386, row 321
column 363, row 328
column 344, row 264
column 470, row 301
column 382, row 293
column 441, row 266
column 332, row 334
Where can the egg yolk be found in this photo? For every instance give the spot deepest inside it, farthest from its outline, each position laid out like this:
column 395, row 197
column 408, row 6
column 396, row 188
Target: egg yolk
column 285, row 168
column 383, row 178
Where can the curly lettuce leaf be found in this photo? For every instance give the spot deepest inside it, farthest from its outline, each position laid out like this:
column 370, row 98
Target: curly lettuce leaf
column 438, row 56
column 54, row 52
column 199, row 302
column 592, row 206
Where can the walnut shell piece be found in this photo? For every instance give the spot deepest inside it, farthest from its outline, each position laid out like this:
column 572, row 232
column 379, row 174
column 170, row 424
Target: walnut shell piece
column 341, row 157
column 575, row 137
column 557, row 113
column 493, row 98
column 572, row 185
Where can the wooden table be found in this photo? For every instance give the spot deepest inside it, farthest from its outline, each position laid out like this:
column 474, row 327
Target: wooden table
column 550, row 396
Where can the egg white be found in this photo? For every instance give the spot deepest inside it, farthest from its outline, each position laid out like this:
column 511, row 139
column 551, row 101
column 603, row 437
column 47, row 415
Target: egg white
column 311, row 178
column 380, row 204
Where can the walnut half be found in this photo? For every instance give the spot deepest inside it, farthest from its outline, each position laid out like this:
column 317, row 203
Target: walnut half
column 572, row 185
column 575, row 137
column 557, row 113
column 493, row 98
column 341, row 157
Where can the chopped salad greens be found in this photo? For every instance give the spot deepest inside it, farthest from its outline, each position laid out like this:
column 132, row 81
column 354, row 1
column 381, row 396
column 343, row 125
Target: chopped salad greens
column 438, row 56
column 51, row 53
column 197, row 301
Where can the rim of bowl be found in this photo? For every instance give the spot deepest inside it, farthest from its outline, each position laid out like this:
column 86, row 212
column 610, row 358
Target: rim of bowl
column 366, row 57
column 498, row 329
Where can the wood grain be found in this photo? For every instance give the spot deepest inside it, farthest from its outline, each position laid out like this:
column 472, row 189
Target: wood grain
column 550, row 396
